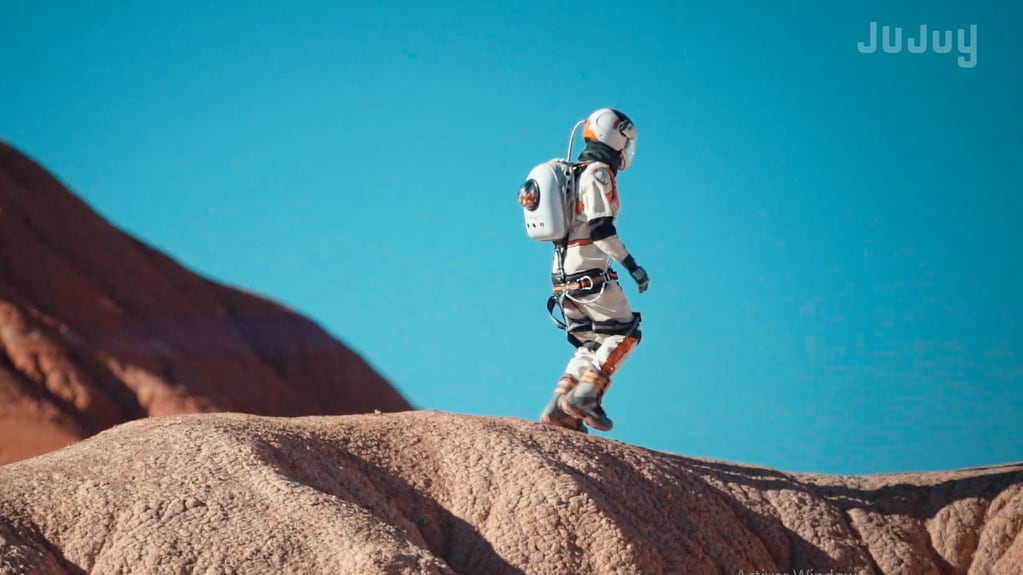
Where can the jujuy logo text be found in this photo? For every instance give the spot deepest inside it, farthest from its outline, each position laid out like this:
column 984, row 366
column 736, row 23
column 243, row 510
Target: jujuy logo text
column 940, row 42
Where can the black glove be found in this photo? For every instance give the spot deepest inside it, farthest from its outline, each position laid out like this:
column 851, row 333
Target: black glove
column 637, row 273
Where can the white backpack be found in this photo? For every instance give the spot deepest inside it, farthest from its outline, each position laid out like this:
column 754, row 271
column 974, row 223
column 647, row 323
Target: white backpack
column 548, row 197
column 548, row 200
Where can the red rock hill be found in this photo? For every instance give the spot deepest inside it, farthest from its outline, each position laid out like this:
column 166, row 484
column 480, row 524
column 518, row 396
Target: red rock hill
column 97, row 328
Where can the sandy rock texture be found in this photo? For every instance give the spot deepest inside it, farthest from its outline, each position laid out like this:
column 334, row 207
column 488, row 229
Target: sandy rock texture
column 423, row 492
column 97, row 328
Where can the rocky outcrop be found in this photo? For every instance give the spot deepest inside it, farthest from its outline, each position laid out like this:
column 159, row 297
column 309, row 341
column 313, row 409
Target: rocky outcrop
column 96, row 328
column 424, row 492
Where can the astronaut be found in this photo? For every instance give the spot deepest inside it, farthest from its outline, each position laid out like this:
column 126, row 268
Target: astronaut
column 599, row 320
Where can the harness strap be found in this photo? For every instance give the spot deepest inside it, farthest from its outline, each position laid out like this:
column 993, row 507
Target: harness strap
column 609, row 327
column 555, row 302
column 561, row 279
column 586, row 280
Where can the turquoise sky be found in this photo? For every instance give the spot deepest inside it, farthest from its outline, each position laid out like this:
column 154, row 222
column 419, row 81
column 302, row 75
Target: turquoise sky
column 832, row 237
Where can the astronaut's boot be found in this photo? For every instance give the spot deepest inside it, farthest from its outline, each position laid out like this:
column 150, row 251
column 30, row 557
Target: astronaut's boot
column 583, row 400
column 552, row 413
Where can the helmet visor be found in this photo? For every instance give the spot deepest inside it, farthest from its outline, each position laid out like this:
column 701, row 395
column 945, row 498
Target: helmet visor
column 629, row 152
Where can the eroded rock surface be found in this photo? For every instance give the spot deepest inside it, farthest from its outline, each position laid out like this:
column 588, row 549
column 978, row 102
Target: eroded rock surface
column 423, row 492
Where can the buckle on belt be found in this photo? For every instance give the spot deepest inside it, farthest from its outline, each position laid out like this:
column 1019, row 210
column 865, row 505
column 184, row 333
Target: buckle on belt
column 581, row 285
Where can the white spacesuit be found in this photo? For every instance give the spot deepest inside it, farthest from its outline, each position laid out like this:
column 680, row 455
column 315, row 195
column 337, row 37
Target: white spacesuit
column 599, row 320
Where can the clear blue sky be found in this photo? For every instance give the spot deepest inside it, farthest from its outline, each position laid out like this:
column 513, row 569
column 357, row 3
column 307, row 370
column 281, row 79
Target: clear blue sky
column 832, row 237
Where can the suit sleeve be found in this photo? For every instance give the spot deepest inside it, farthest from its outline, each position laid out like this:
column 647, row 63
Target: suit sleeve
column 595, row 192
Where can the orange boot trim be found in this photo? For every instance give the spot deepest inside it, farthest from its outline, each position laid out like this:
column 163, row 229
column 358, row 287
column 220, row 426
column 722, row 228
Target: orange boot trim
column 597, row 379
column 565, row 384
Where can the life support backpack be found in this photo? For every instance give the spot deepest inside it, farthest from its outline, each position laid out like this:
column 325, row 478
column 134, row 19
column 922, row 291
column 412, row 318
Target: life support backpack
column 548, row 200
column 548, row 196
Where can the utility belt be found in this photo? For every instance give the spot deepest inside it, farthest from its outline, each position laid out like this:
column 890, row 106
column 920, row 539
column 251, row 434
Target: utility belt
column 583, row 282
